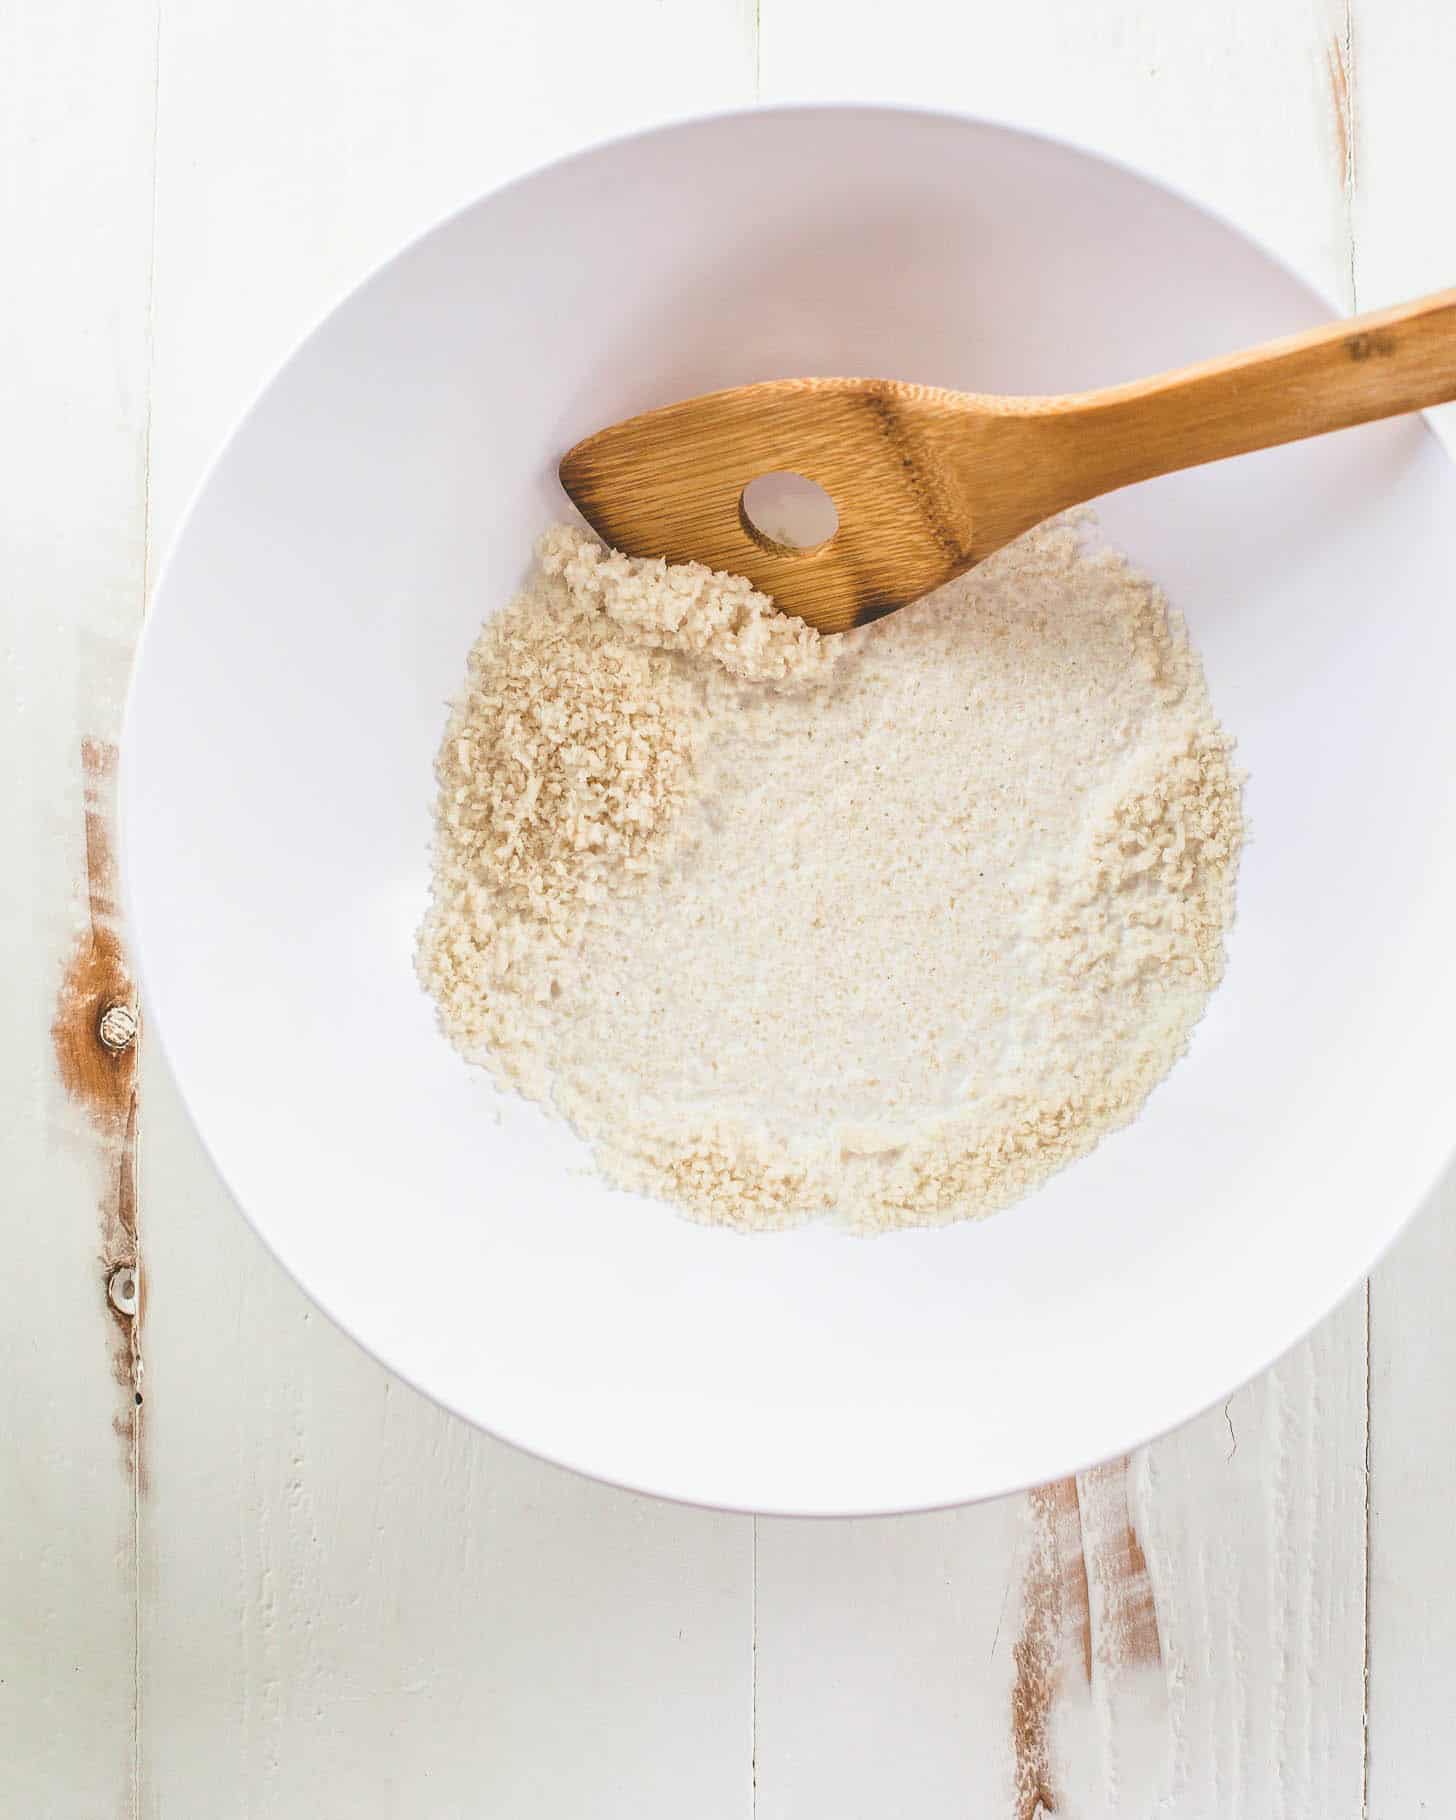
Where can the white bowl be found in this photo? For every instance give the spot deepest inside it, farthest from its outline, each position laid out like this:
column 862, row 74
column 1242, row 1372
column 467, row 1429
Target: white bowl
column 383, row 495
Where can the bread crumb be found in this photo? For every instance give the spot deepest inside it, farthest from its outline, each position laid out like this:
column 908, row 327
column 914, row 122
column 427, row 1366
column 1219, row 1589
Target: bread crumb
column 885, row 927
column 687, row 608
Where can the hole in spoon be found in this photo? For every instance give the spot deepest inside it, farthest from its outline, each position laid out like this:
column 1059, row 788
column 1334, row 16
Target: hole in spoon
column 788, row 514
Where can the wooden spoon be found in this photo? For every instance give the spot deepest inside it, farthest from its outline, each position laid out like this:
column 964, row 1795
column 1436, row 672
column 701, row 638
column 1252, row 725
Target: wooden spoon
column 928, row 482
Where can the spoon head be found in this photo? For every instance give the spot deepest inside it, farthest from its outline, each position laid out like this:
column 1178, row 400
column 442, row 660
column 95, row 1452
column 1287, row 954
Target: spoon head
column 671, row 483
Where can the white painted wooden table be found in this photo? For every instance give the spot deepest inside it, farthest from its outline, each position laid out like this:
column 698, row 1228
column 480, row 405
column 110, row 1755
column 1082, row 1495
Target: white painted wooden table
column 244, row 1573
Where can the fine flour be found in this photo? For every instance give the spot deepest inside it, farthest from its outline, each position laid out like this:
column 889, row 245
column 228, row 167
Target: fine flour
column 886, row 926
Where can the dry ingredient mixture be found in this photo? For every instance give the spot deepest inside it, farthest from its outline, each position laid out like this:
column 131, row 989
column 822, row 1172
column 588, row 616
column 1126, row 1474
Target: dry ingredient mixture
column 887, row 926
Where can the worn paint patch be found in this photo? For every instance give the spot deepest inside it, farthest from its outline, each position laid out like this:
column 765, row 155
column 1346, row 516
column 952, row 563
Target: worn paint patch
column 1127, row 1627
column 101, row 1079
column 1055, row 1638
column 1088, row 1609
column 1340, row 77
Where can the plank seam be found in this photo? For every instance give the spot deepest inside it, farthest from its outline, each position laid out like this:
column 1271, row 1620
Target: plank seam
column 753, row 1683
column 1349, row 130
column 1365, row 1616
column 146, row 581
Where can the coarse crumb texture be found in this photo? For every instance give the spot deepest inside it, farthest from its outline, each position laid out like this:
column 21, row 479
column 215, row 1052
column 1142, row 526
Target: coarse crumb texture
column 887, row 927
column 687, row 608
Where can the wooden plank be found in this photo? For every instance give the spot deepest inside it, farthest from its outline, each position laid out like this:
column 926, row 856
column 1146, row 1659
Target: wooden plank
column 355, row 1604
column 1232, row 104
column 286, row 176
column 1401, row 65
column 1183, row 1633
column 352, row 1603
column 1404, row 239
column 1182, row 1637
column 1412, row 1662
column 77, row 88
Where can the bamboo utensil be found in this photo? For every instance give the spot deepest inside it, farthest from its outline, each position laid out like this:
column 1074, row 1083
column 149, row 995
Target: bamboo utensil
column 928, row 483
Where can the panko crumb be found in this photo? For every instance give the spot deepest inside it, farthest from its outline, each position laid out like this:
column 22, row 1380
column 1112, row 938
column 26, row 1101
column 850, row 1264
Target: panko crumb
column 886, row 928
column 686, row 607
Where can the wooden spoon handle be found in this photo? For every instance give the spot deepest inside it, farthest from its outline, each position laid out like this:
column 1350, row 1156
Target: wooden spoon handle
column 1004, row 464
column 1347, row 372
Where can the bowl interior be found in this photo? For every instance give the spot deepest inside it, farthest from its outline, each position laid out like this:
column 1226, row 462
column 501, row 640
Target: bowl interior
column 383, row 496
